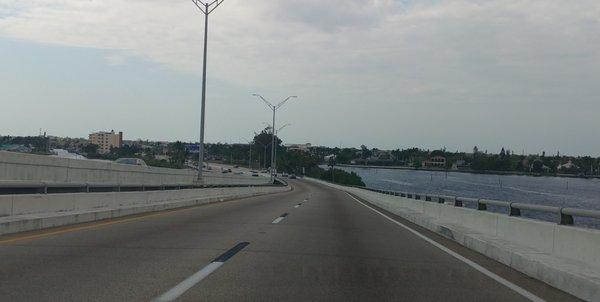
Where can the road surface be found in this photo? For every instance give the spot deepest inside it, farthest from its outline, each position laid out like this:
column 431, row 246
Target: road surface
column 311, row 244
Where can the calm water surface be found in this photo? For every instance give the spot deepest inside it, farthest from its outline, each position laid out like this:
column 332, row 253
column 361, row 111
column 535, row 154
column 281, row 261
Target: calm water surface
column 553, row 191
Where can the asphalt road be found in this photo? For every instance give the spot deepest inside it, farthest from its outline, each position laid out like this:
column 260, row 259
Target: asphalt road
column 328, row 248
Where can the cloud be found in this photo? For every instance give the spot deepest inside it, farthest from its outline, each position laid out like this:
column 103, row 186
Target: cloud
column 115, row 59
column 345, row 50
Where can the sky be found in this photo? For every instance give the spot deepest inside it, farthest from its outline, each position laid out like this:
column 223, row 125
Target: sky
column 384, row 73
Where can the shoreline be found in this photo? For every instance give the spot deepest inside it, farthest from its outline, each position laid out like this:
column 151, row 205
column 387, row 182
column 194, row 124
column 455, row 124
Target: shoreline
column 486, row 172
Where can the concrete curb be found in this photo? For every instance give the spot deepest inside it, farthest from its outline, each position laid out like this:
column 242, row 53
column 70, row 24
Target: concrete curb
column 33, row 222
column 578, row 278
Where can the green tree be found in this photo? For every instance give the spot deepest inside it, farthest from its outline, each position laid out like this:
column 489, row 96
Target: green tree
column 538, row 166
column 178, row 154
column 342, row 177
column 264, row 138
column 90, row 149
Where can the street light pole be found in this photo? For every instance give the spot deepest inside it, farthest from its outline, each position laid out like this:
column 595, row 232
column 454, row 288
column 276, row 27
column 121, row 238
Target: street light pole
column 274, row 108
column 277, row 134
column 206, row 8
column 273, row 160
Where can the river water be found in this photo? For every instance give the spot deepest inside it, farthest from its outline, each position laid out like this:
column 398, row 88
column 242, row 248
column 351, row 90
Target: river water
column 552, row 191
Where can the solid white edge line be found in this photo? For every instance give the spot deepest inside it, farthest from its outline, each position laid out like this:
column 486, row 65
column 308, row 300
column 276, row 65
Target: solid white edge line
column 188, row 283
column 521, row 291
column 278, row 220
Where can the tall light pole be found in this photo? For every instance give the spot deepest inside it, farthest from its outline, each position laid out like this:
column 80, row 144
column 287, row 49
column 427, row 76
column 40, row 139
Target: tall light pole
column 206, row 8
column 274, row 108
column 277, row 135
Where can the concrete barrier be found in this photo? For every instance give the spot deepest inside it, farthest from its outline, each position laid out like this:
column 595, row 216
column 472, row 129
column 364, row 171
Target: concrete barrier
column 20, row 213
column 39, row 168
column 565, row 257
column 6, row 203
column 30, row 167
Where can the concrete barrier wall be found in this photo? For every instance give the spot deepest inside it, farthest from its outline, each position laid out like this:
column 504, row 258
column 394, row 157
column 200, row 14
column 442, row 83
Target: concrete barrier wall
column 13, row 205
column 29, row 167
column 20, row 213
column 576, row 243
column 565, row 257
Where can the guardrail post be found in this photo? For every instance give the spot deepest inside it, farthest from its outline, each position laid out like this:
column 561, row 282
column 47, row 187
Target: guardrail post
column 481, row 206
column 457, row 202
column 513, row 211
column 566, row 219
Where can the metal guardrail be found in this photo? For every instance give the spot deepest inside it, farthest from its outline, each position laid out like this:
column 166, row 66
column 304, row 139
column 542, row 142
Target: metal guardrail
column 565, row 216
column 26, row 187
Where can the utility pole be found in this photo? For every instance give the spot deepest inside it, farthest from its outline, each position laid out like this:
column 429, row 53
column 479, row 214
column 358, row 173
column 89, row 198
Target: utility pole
column 274, row 108
column 206, row 8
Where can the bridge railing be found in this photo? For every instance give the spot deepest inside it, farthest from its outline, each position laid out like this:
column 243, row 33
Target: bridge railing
column 564, row 215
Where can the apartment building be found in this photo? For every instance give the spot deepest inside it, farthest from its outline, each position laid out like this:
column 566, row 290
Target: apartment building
column 106, row 140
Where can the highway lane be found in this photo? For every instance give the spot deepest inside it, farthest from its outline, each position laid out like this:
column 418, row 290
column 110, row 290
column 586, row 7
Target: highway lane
column 325, row 247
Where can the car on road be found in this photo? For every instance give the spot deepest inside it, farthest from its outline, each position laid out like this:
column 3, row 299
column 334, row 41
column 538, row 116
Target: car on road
column 293, row 176
column 284, row 175
column 255, row 174
column 131, row 161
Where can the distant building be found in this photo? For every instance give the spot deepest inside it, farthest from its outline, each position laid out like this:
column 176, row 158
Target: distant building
column 569, row 166
column 299, row 147
column 436, row 162
column 459, row 164
column 107, row 140
column 66, row 154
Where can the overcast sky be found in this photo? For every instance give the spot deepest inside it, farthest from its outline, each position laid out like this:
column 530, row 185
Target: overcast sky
column 389, row 74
